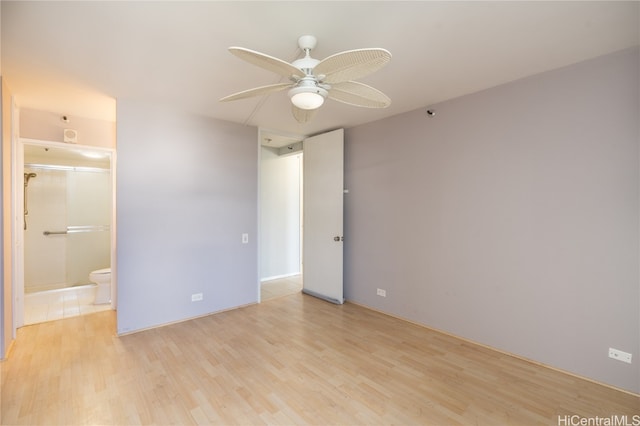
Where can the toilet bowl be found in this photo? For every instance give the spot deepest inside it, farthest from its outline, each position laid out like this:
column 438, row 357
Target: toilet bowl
column 102, row 277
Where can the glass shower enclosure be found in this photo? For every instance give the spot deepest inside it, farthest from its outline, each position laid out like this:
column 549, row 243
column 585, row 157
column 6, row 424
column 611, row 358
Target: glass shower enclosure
column 67, row 200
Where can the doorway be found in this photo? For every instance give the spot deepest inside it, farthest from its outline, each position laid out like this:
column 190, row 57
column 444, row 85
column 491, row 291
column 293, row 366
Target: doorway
column 281, row 199
column 64, row 229
column 317, row 214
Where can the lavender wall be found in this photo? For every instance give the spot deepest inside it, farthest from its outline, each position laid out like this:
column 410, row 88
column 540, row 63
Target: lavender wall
column 511, row 218
column 186, row 192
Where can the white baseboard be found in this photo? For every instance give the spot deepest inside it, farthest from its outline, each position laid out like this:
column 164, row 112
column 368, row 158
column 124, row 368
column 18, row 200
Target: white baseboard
column 277, row 277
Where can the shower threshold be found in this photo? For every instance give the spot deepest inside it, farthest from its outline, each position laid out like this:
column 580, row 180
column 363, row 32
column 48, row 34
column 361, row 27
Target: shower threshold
column 58, row 287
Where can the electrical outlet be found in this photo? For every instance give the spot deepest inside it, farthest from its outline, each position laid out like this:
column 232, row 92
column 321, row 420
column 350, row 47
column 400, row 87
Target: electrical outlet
column 196, row 297
column 382, row 293
column 245, row 238
column 620, row 355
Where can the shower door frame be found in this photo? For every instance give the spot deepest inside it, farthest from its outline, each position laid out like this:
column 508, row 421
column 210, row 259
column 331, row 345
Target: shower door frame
column 18, row 218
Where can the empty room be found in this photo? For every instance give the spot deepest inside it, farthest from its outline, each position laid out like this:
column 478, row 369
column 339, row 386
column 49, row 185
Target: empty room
column 320, row 212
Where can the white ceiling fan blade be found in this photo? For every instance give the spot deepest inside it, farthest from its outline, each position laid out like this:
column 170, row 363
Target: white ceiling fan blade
column 359, row 94
column 257, row 91
column 267, row 62
column 303, row 115
column 351, row 65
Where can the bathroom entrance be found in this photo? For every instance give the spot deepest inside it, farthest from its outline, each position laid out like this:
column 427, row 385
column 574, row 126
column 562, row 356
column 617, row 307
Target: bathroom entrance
column 66, row 230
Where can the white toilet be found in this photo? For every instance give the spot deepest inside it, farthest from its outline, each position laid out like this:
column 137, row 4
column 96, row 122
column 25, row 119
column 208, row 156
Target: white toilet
column 102, row 277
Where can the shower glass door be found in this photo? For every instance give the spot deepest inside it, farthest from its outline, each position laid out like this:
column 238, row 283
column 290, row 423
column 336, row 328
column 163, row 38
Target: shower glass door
column 44, row 257
column 88, row 218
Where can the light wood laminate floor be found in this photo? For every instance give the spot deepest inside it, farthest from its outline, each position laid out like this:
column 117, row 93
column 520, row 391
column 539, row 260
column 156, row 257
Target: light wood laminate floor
column 280, row 287
column 293, row 360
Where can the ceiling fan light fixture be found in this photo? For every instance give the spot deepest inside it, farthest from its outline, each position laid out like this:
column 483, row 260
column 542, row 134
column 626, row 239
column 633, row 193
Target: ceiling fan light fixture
column 307, row 97
column 307, row 100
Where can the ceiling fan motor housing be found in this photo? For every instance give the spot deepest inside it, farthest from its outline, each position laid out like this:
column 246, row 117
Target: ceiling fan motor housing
column 306, row 64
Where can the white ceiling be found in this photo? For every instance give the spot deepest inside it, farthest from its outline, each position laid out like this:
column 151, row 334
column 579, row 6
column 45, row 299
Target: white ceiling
column 77, row 58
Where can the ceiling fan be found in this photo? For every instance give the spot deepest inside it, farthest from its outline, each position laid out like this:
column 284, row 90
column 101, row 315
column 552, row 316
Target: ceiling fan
column 312, row 81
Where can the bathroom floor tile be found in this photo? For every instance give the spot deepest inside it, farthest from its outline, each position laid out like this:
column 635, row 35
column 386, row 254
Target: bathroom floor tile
column 55, row 313
column 37, row 312
column 71, row 311
column 61, row 303
column 91, row 308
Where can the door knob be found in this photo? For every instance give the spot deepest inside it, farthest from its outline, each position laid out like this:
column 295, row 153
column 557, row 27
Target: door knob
column 337, row 238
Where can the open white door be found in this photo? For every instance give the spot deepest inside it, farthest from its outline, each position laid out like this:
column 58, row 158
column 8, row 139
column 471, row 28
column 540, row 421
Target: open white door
column 323, row 216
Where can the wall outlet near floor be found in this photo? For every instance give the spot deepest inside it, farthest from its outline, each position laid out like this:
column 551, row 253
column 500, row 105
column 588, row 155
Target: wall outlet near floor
column 382, row 293
column 620, row 355
column 245, row 238
column 196, row 297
